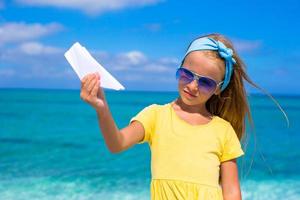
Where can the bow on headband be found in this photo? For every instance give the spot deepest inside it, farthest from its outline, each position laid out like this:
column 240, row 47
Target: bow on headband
column 207, row 43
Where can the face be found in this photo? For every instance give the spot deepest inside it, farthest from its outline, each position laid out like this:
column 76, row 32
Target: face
column 201, row 64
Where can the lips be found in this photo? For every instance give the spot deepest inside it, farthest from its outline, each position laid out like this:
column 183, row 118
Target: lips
column 190, row 94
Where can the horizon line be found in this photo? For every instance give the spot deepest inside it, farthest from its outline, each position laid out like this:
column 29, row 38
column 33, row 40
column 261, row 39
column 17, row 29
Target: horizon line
column 134, row 90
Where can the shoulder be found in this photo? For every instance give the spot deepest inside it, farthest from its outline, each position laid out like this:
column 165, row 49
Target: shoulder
column 156, row 107
column 153, row 107
column 223, row 127
column 221, row 123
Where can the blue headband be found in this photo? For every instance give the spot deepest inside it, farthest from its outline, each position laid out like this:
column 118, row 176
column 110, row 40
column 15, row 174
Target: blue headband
column 207, row 43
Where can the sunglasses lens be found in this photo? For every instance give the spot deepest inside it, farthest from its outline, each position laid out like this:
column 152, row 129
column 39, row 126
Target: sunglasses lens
column 184, row 75
column 206, row 84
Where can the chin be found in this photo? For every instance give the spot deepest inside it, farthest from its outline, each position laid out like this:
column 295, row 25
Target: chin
column 189, row 101
column 192, row 101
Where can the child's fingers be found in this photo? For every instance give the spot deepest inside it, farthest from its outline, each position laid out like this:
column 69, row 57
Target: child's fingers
column 88, row 80
column 91, row 85
column 98, row 75
column 85, row 82
column 89, row 76
column 92, row 76
column 86, row 77
column 95, row 89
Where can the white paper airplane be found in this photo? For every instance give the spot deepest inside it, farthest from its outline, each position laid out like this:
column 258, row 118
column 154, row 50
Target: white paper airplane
column 83, row 63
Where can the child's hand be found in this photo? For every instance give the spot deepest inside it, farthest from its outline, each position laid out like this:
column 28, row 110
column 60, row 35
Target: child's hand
column 91, row 92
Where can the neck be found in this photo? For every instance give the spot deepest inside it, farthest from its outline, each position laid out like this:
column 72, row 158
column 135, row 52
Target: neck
column 198, row 108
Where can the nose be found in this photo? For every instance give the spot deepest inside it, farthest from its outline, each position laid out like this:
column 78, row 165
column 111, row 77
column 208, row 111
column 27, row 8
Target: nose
column 193, row 86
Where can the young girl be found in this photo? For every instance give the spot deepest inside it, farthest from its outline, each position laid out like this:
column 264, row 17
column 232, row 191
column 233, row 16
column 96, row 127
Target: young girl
column 195, row 139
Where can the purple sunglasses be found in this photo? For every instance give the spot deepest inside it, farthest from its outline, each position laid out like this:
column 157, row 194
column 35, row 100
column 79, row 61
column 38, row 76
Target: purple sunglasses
column 205, row 84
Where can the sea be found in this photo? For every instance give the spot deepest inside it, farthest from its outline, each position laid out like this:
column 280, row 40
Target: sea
column 51, row 147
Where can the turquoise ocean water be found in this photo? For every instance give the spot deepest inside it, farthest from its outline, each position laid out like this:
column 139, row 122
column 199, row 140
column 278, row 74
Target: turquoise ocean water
column 51, row 148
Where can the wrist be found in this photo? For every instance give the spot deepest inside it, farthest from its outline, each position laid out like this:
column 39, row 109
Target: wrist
column 101, row 109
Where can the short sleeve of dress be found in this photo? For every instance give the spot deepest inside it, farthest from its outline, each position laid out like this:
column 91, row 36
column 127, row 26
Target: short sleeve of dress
column 147, row 117
column 231, row 145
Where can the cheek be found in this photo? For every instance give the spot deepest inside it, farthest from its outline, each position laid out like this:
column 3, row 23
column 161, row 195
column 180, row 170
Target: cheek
column 180, row 87
column 180, row 90
column 202, row 98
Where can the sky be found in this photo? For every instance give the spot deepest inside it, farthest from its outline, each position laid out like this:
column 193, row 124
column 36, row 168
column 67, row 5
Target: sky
column 141, row 42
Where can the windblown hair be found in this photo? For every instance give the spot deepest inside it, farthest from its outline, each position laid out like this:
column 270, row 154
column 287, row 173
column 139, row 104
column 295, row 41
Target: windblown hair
column 232, row 103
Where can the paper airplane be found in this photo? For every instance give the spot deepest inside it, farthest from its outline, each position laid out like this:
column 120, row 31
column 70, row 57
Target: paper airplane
column 83, row 63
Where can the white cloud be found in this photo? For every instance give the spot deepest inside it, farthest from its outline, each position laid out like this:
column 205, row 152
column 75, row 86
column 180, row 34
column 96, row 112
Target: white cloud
column 18, row 32
column 169, row 60
column 36, row 48
column 39, row 72
column 30, row 62
column 157, row 67
column 90, row 6
column 34, row 52
column 137, row 62
column 246, row 46
column 133, row 57
column 131, row 60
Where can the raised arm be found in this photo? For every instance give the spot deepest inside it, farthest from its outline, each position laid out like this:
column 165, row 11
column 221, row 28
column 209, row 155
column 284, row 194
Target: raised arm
column 116, row 140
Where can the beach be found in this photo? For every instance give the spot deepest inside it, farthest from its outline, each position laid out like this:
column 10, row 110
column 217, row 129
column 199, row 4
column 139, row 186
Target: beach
column 52, row 148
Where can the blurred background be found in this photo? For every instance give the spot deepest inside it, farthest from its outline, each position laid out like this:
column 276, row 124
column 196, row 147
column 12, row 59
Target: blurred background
column 50, row 143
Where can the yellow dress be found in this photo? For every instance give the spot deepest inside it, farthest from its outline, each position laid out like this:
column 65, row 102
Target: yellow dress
column 186, row 158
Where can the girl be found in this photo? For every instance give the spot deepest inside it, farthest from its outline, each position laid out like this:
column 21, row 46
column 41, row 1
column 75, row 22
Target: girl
column 195, row 139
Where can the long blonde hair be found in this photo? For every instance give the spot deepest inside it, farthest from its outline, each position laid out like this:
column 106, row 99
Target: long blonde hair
column 232, row 103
